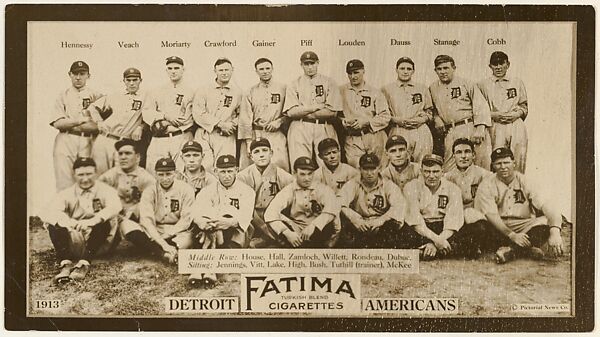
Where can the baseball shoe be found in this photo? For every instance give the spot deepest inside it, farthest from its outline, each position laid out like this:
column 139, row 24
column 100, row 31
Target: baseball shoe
column 535, row 253
column 504, row 254
column 80, row 270
column 169, row 258
column 210, row 279
column 65, row 270
column 196, row 280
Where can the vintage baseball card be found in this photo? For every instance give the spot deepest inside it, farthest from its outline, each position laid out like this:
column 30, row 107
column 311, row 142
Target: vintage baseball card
column 300, row 168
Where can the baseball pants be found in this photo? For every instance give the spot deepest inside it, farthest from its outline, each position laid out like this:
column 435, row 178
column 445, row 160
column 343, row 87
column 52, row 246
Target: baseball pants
column 420, row 140
column 356, row 146
column 513, row 136
column 388, row 235
column 70, row 244
column 161, row 147
column 483, row 150
column 104, row 153
column 304, row 137
column 67, row 148
column 214, row 145
column 465, row 242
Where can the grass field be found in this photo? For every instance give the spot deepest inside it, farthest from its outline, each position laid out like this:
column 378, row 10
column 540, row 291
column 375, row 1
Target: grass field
column 128, row 284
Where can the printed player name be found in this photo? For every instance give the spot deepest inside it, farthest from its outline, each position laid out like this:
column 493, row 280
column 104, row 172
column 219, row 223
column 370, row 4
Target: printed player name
column 175, row 44
column 65, row 44
column 438, row 42
column 496, row 41
column 263, row 43
column 394, row 42
column 351, row 43
column 223, row 43
column 123, row 44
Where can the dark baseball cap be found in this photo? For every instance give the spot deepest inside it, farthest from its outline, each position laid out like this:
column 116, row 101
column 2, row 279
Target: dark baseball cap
column 79, row 66
column 326, row 144
column 124, row 142
column 258, row 142
column 354, row 65
column 132, row 72
column 174, row 59
column 83, row 162
column 395, row 140
column 404, row 59
column 226, row 161
column 498, row 57
column 430, row 159
column 369, row 160
column 164, row 164
column 304, row 163
column 309, row 56
column 191, row 146
column 502, row 152
column 442, row 59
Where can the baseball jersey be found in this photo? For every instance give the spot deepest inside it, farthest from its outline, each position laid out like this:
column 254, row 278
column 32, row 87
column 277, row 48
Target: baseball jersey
column 400, row 178
column 73, row 204
column 445, row 204
column 215, row 104
column 408, row 99
column 468, row 181
column 167, row 207
column 71, row 102
column 119, row 114
column 505, row 95
column 304, row 204
column 262, row 105
column 306, row 91
column 336, row 179
column 458, row 100
column 266, row 184
column 366, row 102
column 515, row 203
column 173, row 100
column 199, row 181
column 384, row 198
column 129, row 186
column 237, row 200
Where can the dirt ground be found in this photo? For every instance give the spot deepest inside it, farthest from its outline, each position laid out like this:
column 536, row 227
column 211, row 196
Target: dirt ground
column 126, row 284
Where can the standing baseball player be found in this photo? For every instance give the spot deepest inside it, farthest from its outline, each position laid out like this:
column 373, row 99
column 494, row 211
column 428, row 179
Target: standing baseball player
column 400, row 169
column 165, row 210
column 194, row 174
column 411, row 108
column 460, row 112
column 373, row 208
column 507, row 100
column 169, row 116
column 311, row 210
column 79, row 220
column 312, row 102
column 366, row 115
column 435, row 215
column 511, row 205
column 216, row 110
column 119, row 116
column 222, row 214
column 261, row 116
column 267, row 180
column 76, row 128
column 333, row 172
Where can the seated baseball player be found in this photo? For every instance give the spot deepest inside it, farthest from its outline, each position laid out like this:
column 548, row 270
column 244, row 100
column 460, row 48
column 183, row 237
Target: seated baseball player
column 165, row 210
column 79, row 219
column 305, row 212
column 222, row 214
column 267, row 180
column 194, row 173
column 512, row 206
column 435, row 215
column 372, row 208
column 400, row 170
column 333, row 173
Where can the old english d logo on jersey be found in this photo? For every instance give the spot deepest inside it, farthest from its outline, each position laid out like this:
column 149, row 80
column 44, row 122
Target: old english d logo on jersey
column 315, row 207
column 234, row 202
column 227, row 101
column 86, row 102
column 473, row 190
column 417, row 98
column 136, row 105
column 174, row 205
column 365, row 101
column 319, row 90
column 96, row 205
column 135, row 194
column 179, row 99
column 340, row 184
column 455, row 92
column 275, row 98
column 378, row 203
column 511, row 93
column 273, row 188
column 442, row 201
column 519, row 197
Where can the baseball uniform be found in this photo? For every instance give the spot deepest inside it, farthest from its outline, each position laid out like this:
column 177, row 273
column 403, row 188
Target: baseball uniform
column 262, row 105
column 171, row 100
column 468, row 181
column 198, row 181
column 400, row 176
column 337, row 178
column 211, row 105
column 364, row 103
column 306, row 131
column 408, row 100
column 461, row 107
column 507, row 95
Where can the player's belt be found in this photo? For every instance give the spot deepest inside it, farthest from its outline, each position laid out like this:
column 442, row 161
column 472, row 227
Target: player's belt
column 464, row 121
column 315, row 120
column 77, row 133
column 171, row 134
column 365, row 130
column 111, row 136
